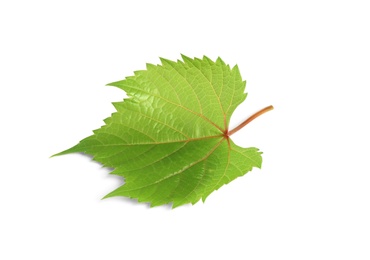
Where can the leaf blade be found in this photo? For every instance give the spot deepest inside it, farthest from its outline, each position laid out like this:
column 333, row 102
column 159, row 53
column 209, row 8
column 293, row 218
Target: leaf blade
column 169, row 138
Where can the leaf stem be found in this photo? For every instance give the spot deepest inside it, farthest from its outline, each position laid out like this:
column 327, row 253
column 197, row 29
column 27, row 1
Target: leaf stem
column 251, row 118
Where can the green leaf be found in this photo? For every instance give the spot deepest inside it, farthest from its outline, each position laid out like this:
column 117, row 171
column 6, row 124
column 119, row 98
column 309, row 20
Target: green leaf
column 170, row 139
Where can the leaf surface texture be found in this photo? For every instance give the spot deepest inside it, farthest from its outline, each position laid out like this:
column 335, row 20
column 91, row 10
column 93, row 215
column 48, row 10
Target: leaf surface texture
column 169, row 138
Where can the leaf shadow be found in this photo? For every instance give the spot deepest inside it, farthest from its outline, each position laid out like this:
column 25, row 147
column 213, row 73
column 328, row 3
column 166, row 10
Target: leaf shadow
column 120, row 182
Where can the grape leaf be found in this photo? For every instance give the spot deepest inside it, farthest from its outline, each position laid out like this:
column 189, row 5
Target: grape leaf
column 169, row 139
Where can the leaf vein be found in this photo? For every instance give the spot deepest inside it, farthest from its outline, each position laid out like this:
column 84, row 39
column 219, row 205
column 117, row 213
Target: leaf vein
column 181, row 171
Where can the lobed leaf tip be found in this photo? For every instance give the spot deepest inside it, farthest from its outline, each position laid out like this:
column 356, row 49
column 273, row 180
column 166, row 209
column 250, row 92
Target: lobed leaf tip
column 139, row 72
column 109, row 195
column 210, row 61
column 186, row 58
column 164, row 60
column 150, row 65
column 220, row 61
column 68, row 151
column 117, row 84
column 175, row 205
column 235, row 67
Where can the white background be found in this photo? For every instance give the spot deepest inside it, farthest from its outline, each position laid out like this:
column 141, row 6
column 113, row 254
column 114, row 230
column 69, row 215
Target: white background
column 310, row 59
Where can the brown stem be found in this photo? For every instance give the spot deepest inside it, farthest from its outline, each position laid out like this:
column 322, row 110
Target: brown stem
column 252, row 117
